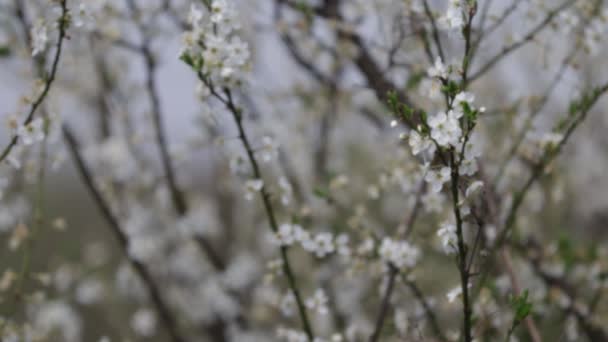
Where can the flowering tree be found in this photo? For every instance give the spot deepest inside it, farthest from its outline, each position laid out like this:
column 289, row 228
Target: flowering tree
column 389, row 170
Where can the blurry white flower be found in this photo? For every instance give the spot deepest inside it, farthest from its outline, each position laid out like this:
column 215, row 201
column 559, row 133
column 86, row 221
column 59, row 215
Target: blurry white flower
column 143, row 322
column 286, row 235
column 252, row 187
column 219, row 9
column 437, row 178
column 58, row 317
column 203, row 92
column 318, row 302
column 323, row 244
column 238, row 52
column 473, row 188
column 195, row 16
column 550, row 139
column 401, row 321
column 453, row 18
column 290, row 335
column 449, row 239
column 269, row 150
column 39, row 36
column 286, row 191
column 399, row 253
column 89, row 291
column 454, row 293
column 287, row 304
column 83, row 17
column 464, row 97
column 438, row 69
column 342, row 246
column 32, row 132
column 419, row 143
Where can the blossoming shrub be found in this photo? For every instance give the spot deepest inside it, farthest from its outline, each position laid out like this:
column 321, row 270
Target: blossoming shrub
column 343, row 171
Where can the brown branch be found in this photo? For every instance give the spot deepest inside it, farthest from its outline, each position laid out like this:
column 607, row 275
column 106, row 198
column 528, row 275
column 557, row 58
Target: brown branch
column 153, row 290
column 385, row 305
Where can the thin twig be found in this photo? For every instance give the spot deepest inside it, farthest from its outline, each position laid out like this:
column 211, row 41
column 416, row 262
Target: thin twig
column 527, row 38
column 428, row 311
column 63, row 23
column 530, row 324
column 435, row 30
column 177, row 196
column 237, row 115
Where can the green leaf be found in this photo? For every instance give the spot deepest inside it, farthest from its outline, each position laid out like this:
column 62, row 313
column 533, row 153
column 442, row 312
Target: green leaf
column 414, row 80
column 521, row 307
column 451, row 88
column 566, row 251
column 5, row 51
column 321, row 193
column 392, row 101
column 186, row 58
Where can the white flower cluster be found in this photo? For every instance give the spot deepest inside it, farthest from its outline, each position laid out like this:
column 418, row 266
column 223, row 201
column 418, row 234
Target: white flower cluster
column 31, row 133
column 438, row 70
column 27, row 135
column 594, row 28
column 252, row 187
column 291, row 335
column 445, row 128
column 453, row 19
column 321, row 244
column 449, row 239
column 399, row 253
column 40, row 37
column 212, row 46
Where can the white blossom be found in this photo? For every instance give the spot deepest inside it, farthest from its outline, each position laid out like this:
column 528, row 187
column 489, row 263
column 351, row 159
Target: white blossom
column 60, row 317
column 438, row 69
column 252, row 188
column 286, row 191
column 31, row 133
column 449, row 239
column 445, row 128
column 144, row 322
column 473, row 188
column 453, row 18
column 269, row 150
column 454, row 293
column 436, row 179
column 287, row 304
column 399, row 253
column 40, row 38
column 286, row 234
column 419, row 144
column 401, row 321
column 318, row 302
column 323, row 244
